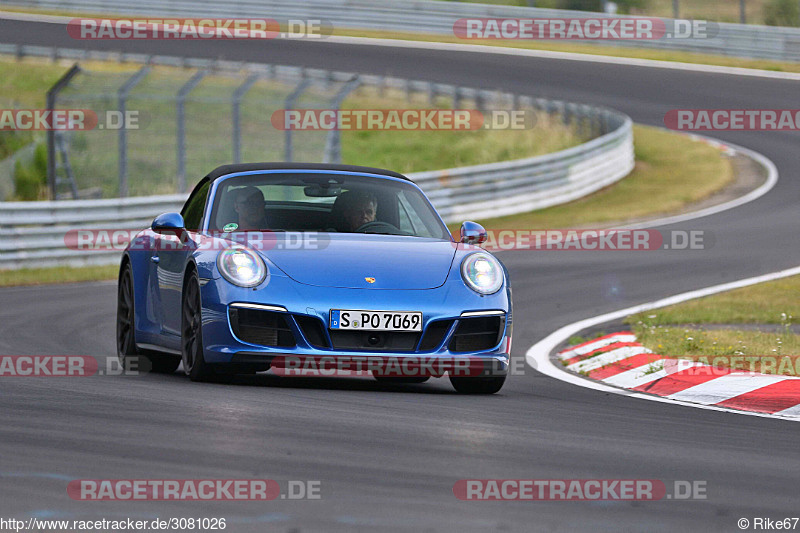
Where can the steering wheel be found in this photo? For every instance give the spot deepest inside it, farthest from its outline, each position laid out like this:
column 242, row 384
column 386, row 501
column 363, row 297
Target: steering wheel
column 378, row 226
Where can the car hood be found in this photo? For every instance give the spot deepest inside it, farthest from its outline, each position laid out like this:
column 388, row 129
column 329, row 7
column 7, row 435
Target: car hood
column 346, row 261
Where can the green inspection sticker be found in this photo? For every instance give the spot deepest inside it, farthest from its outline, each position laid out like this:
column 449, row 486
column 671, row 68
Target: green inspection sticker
column 233, row 226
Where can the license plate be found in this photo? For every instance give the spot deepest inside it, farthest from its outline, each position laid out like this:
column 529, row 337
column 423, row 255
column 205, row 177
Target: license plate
column 376, row 320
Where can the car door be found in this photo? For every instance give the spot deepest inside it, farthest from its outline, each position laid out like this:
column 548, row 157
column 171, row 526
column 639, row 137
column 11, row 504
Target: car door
column 170, row 257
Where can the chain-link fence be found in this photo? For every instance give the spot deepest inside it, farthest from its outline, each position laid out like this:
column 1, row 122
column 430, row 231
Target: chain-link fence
column 159, row 128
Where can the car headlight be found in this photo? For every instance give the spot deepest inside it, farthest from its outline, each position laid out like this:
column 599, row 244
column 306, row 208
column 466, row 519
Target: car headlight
column 241, row 266
column 482, row 273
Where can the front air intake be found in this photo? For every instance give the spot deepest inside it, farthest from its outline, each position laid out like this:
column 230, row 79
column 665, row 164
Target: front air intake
column 477, row 334
column 265, row 328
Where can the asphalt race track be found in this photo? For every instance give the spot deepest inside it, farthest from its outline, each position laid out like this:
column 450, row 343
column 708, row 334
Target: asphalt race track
column 387, row 457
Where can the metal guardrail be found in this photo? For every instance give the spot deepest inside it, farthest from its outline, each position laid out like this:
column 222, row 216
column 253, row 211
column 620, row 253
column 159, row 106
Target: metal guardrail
column 32, row 234
column 738, row 40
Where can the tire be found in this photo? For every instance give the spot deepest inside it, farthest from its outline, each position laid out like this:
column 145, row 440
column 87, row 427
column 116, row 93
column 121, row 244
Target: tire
column 194, row 364
column 131, row 357
column 401, row 379
column 486, row 385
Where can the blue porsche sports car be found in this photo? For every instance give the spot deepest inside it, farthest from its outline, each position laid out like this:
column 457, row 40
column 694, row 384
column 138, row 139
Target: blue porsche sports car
column 335, row 268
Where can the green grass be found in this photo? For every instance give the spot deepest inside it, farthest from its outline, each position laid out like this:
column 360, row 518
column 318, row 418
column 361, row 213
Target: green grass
column 717, row 10
column 23, row 86
column 39, row 276
column 677, row 330
column 580, row 339
column 653, row 188
column 774, row 302
column 25, row 83
column 432, row 150
column 756, row 351
column 680, row 341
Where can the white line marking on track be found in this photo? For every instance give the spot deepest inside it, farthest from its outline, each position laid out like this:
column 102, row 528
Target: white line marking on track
column 792, row 411
column 725, row 387
column 607, row 358
column 643, row 374
column 597, row 345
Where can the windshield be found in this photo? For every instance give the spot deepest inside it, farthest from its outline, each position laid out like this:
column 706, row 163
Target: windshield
column 342, row 203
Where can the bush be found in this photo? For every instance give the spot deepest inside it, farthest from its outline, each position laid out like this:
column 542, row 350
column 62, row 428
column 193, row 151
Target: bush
column 782, row 13
column 11, row 141
column 30, row 178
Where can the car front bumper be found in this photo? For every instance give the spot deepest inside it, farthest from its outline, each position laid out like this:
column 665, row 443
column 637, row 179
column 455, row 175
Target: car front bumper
column 292, row 307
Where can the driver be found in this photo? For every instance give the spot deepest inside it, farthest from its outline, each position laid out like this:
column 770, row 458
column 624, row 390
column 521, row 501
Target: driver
column 360, row 208
column 249, row 206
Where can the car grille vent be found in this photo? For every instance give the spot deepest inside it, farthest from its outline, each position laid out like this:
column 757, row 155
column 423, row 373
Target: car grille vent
column 476, row 334
column 265, row 328
column 313, row 331
column 434, row 335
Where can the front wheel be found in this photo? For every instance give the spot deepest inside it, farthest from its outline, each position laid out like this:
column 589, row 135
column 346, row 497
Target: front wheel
column 484, row 385
column 194, row 365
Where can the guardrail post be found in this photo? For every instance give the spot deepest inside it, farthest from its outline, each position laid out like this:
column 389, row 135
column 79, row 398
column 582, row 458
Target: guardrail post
column 480, row 100
column 333, row 144
column 290, row 102
column 238, row 95
column 381, row 86
column 122, row 100
column 52, row 96
column 184, row 91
